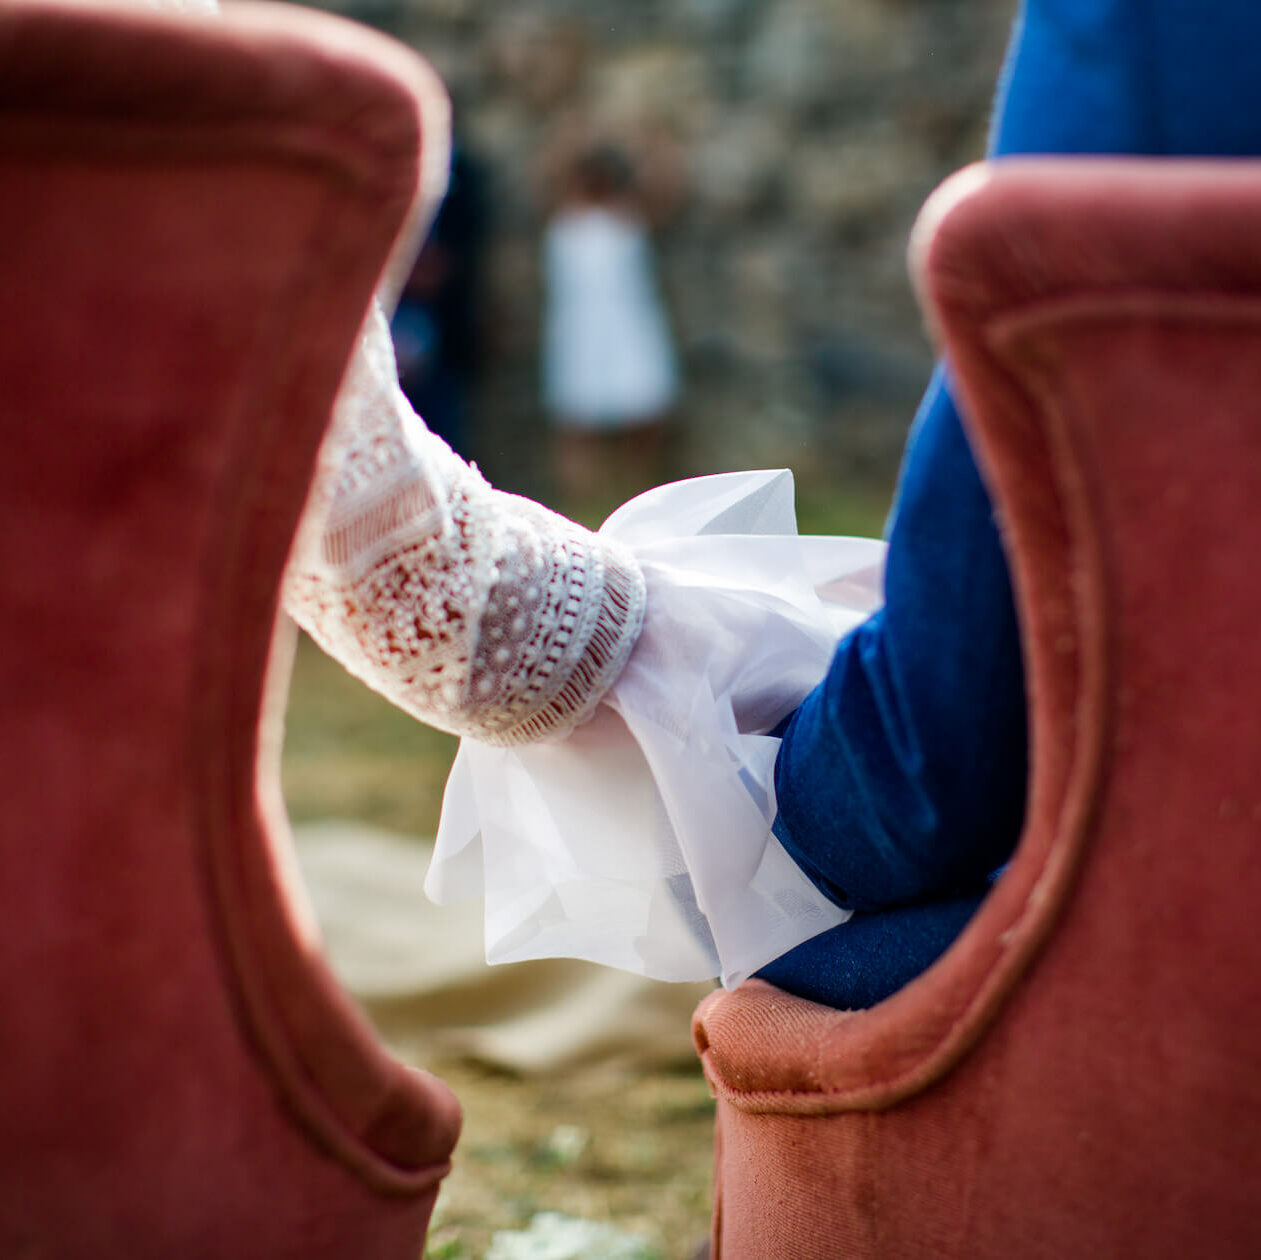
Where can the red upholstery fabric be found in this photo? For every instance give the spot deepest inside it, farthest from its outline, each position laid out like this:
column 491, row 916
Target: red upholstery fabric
column 194, row 215
column 1078, row 1075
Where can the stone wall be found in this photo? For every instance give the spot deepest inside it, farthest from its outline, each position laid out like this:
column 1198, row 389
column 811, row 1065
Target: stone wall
column 806, row 134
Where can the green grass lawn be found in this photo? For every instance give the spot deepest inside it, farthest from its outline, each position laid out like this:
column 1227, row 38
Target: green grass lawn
column 351, row 754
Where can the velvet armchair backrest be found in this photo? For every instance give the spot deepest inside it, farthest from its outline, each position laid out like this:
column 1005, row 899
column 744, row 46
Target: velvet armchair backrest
column 193, row 215
column 1078, row 1075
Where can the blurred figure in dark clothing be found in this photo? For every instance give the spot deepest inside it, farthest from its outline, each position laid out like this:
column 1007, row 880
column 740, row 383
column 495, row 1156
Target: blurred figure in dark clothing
column 435, row 327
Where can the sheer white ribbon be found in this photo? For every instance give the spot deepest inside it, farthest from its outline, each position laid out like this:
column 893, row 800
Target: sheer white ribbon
column 643, row 840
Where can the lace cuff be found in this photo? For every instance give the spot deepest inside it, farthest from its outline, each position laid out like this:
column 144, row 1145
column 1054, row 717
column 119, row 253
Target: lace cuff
column 557, row 628
column 478, row 612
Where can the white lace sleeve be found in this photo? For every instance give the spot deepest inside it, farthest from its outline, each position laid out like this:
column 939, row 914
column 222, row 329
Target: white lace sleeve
column 476, row 611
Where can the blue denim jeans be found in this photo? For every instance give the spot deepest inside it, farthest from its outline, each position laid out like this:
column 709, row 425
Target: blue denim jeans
column 901, row 778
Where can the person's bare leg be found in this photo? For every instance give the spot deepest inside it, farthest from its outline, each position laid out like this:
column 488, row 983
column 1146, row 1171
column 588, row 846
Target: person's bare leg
column 641, row 456
column 581, row 467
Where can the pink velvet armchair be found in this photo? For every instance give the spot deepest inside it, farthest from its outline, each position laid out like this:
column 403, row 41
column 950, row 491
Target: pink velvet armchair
column 1080, row 1074
column 194, row 215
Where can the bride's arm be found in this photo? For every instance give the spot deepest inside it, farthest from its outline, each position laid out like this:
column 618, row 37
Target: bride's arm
column 476, row 611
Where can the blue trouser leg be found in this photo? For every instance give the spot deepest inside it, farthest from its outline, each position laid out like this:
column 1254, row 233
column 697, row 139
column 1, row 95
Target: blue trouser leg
column 863, row 961
column 902, row 777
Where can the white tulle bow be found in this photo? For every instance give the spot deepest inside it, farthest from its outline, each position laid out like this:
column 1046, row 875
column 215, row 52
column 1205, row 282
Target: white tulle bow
column 643, row 840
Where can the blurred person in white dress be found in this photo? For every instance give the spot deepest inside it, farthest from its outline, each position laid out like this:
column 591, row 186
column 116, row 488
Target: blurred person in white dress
column 610, row 373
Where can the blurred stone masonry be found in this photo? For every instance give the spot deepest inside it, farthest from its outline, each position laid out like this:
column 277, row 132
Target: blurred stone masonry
column 810, row 132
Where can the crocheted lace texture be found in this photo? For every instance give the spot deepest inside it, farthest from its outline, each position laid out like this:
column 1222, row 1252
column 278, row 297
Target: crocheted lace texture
column 476, row 611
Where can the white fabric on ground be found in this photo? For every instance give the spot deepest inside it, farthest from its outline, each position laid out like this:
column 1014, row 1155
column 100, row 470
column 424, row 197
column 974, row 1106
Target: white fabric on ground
column 419, row 971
